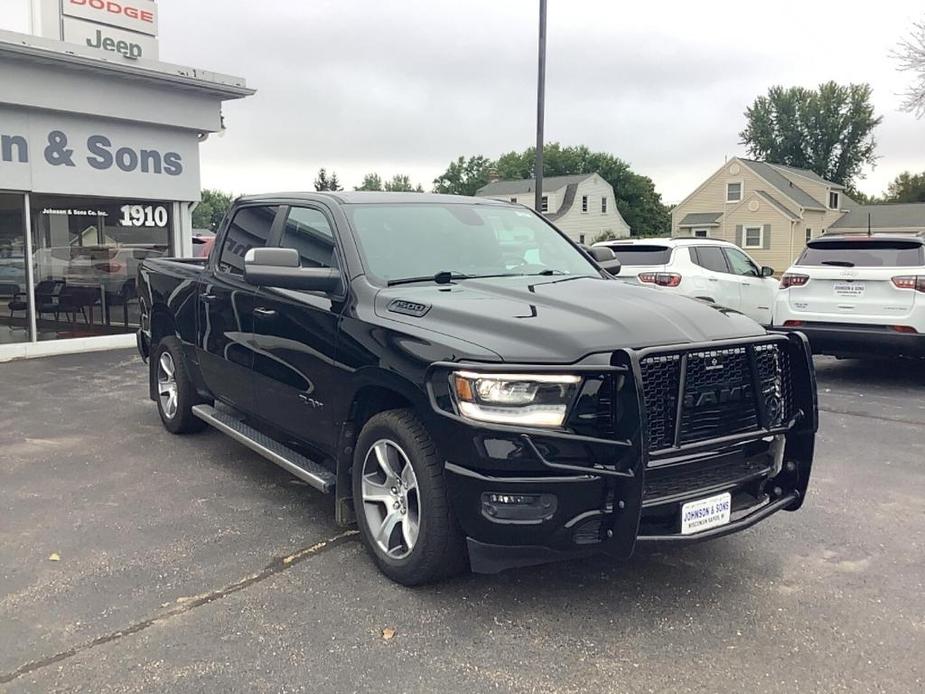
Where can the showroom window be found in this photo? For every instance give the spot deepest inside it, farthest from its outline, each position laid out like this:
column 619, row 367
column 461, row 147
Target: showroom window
column 14, row 297
column 86, row 253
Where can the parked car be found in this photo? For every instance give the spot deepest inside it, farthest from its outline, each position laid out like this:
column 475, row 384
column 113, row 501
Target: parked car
column 715, row 271
column 857, row 295
column 202, row 243
column 465, row 403
column 113, row 268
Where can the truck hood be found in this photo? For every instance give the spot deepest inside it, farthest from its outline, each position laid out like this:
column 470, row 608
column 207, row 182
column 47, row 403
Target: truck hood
column 559, row 319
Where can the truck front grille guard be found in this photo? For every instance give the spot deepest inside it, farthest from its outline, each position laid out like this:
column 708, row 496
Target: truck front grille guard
column 772, row 414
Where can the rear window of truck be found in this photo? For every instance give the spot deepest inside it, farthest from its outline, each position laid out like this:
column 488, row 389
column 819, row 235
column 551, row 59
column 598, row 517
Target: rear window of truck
column 864, row 253
column 642, row 255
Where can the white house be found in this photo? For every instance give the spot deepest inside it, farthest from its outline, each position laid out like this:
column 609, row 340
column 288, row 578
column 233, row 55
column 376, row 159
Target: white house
column 583, row 206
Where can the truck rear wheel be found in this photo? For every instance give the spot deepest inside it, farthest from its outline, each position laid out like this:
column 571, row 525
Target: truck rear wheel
column 175, row 394
column 402, row 509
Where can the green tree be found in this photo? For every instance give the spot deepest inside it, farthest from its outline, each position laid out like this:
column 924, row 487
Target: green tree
column 371, row 181
column 828, row 130
column 211, row 209
column 911, row 58
column 325, row 182
column 400, row 183
column 464, row 176
column 906, row 187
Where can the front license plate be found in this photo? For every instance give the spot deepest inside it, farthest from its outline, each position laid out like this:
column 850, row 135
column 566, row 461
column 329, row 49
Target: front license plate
column 849, row 289
column 705, row 513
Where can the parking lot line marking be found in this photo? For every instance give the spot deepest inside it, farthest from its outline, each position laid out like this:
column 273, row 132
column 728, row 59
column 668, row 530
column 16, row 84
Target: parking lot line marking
column 273, row 568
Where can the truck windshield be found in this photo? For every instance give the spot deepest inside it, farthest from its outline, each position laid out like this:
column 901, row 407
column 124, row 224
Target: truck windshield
column 419, row 240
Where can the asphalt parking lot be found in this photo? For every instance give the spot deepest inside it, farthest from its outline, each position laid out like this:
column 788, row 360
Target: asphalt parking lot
column 191, row 564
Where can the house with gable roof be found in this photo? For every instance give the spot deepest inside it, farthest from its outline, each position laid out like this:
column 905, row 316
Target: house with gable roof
column 583, row 205
column 770, row 210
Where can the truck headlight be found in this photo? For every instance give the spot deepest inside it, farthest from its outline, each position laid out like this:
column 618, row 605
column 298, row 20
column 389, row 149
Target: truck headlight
column 539, row 400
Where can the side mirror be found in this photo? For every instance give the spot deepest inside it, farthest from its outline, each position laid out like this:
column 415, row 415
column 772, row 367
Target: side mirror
column 281, row 268
column 767, row 271
column 611, row 266
column 606, row 258
column 601, row 253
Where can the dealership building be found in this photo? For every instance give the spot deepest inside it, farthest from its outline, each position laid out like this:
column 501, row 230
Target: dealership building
column 99, row 167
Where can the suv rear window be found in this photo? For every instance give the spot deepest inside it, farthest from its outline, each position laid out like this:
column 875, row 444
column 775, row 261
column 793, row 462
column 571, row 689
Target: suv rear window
column 864, row 253
column 642, row 255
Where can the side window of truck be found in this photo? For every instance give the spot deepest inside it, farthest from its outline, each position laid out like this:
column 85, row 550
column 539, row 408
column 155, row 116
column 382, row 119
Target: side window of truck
column 250, row 228
column 309, row 232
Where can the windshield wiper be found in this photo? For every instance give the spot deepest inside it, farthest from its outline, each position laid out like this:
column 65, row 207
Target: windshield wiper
column 548, row 273
column 839, row 263
column 443, row 277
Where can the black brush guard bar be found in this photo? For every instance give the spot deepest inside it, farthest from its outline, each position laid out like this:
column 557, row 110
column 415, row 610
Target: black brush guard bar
column 529, row 435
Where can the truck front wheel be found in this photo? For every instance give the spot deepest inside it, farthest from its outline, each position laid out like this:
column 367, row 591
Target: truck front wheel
column 402, row 509
column 174, row 390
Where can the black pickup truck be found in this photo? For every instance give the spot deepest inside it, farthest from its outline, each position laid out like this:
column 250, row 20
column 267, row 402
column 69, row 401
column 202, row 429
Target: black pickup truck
column 471, row 385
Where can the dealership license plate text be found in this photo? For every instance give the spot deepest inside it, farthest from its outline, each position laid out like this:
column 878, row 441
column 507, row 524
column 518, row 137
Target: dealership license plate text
column 705, row 513
column 854, row 289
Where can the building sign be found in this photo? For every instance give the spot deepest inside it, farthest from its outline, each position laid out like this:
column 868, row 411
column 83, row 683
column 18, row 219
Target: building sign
column 107, row 38
column 139, row 16
column 79, row 155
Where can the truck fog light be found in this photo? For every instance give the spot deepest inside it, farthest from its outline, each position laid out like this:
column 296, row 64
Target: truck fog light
column 523, row 508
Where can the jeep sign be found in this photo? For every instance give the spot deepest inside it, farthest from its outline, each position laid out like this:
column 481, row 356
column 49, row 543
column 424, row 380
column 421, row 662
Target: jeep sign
column 134, row 15
column 106, row 38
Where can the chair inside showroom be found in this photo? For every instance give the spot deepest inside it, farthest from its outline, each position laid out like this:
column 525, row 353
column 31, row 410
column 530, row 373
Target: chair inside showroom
column 74, row 300
column 46, row 293
column 125, row 296
column 48, row 297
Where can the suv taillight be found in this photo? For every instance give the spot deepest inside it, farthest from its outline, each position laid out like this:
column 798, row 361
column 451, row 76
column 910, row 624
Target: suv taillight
column 662, row 279
column 789, row 280
column 910, row 282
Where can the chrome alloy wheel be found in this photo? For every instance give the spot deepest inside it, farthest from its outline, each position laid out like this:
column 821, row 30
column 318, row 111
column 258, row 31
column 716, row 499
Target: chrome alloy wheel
column 391, row 503
column 167, row 385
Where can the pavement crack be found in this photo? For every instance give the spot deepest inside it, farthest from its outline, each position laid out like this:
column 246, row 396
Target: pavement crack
column 869, row 415
column 276, row 566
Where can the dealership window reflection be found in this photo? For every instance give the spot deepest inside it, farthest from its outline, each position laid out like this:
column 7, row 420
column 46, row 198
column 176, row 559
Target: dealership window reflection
column 86, row 253
column 14, row 319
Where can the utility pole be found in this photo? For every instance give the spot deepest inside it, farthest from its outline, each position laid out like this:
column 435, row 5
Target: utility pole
column 540, row 108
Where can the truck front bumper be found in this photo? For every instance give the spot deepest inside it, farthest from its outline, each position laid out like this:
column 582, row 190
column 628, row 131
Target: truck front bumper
column 523, row 521
column 526, row 497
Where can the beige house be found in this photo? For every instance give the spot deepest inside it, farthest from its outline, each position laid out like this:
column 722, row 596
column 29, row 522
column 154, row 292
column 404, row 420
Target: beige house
column 583, row 206
column 770, row 210
column 889, row 218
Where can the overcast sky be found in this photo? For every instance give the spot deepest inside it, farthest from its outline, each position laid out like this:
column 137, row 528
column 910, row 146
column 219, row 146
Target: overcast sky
column 406, row 86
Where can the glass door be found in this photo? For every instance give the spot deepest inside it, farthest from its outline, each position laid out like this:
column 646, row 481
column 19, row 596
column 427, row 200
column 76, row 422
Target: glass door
column 14, row 293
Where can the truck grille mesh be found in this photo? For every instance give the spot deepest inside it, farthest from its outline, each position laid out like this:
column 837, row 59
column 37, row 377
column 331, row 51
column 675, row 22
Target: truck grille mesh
column 660, row 380
column 719, row 395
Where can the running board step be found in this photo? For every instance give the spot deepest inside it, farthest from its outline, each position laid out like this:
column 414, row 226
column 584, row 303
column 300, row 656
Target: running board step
column 317, row 476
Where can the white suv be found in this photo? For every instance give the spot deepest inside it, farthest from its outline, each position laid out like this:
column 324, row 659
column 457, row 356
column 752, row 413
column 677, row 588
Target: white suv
column 701, row 268
column 857, row 295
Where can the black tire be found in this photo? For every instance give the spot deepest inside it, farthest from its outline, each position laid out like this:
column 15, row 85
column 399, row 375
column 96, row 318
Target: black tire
column 180, row 419
column 439, row 550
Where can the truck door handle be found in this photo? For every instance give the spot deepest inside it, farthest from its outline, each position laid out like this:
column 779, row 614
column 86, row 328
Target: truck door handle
column 264, row 312
column 713, row 279
column 209, row 298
